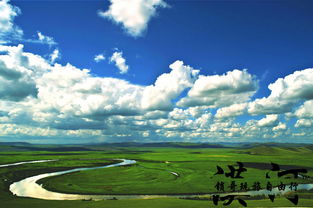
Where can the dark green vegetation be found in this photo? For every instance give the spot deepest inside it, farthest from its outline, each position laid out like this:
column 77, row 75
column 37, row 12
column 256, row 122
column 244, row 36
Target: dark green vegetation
column 195, row 164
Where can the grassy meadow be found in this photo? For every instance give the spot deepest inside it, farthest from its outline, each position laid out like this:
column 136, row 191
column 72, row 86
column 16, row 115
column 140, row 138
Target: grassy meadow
column 194, row 165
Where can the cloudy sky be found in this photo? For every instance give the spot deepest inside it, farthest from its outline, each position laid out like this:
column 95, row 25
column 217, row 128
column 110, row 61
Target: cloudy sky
column 156, row 70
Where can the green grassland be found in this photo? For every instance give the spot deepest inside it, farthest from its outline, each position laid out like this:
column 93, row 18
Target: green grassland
column 151, row 174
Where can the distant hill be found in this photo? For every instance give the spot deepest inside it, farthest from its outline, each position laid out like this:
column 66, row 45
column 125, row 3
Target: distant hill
column 23, row 146
column 249, row 148
column 165, row 144
column 270, row 149
column 15, row 143
column 262, row 150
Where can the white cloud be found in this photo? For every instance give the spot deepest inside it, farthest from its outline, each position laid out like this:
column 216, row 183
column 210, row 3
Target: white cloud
column 269, row 106
column 304, row 123
column 231, row 111
column 8, row 31
column 55, row 55
column 38, row 98
column 18, row 73
column 13, row 129
column 145, row 134
column 168, row 86
column 44, row 39
column 221, row 90
column 67, row 98
column 298, row 85
column 73, row 91
column 120, row 61
column 189, row 113
column 305, row 110
column 133, row 15
column 195, row 111
column 285, row 93
column 32, row 131
column 269, row 120
column 178, row 114
column 304, row 114
column 99, row 57
column 204, row 120
column 280, row 127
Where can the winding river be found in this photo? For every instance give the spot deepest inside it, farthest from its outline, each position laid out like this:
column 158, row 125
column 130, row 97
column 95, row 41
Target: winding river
column 27, row 162
column 29, row 188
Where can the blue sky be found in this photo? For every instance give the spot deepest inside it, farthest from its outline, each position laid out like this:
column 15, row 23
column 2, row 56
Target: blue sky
column 166, row 71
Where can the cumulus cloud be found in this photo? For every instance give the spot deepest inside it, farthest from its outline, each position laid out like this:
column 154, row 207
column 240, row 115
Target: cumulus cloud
column 269, row 120
column 285, row 93
column 69, row 98
column 40, row 135
column 39, row 98
column 168, row 86
column 269, row 106
column 295, row 86
column 221, row 90
column 280, row 127
column 304, row 123
column 305, row 110
column 98, row 58
column 55, row 55
column 231, row 111
column 178, row 114
column 189, row 118
column 304, row 113
column 204, row 120
column 9, row 31
column 45, row 39
column 74, row 92
column 119, row 61
column 133, row 15
column 18, row 73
